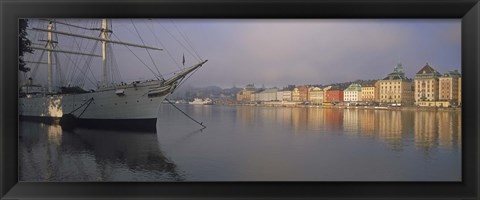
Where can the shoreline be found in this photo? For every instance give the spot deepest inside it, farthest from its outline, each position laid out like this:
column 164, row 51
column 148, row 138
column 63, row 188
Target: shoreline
column 402, row 108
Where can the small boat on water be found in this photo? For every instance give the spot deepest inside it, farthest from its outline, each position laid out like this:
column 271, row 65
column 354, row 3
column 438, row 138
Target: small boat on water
column 198, row 101
column 181, row 102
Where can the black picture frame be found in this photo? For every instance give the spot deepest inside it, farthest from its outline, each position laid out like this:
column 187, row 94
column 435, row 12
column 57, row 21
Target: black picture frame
column 467, row 10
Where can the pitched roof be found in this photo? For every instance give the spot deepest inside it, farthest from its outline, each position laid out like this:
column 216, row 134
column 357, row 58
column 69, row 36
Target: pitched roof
column 271, row 90
column 393, row 76
column 426, row 70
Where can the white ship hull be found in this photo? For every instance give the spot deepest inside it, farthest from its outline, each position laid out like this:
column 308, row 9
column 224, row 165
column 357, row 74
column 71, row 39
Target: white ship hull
column 133, row 103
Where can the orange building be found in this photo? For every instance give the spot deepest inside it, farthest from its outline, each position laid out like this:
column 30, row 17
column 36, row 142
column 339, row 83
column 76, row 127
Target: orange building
column 448, row 87
column 334, row 96
column 303, row 92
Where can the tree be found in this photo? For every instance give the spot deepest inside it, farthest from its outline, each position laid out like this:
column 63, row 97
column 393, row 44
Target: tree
column 23, row 44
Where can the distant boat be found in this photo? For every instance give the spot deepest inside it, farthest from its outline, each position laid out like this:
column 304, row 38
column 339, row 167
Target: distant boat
column 198, row 101
column 181, row 102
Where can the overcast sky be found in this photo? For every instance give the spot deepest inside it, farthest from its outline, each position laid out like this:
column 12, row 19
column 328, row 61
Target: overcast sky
column 280, row 52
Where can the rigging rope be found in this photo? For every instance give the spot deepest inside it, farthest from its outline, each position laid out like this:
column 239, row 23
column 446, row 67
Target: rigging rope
column 181, row 44
column 187, row 40
column 163, row 46
column 76, row 67
column 139, row 59
column 153, row 61
column 34, row 73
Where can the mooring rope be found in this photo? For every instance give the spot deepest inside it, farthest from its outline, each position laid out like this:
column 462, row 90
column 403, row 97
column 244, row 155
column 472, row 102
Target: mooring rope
column 89, row 102
column 200, row 123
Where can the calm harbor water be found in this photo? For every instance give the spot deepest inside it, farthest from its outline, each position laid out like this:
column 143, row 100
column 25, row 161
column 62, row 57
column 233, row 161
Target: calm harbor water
column 243, row 143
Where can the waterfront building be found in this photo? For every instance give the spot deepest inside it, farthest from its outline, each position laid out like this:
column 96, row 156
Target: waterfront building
column 377, row 91
column 353, row 93
column 287, row 95
column 253, row 97
column 303, row 92
column 368, row 93
column 448, row 87
column 295, row 94
column 426, row 86
column 315, row 95
column 279, row 95
column 334, row 96
column 267, row 95
column 244, row 95
column 396, row 87
column 459, row 91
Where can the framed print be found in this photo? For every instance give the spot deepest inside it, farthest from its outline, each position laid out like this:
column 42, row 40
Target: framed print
column 248, row 99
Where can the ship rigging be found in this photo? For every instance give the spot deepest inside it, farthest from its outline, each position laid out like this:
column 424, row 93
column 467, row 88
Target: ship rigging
column 111, row 102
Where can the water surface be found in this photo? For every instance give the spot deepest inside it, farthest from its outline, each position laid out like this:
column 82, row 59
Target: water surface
column 243, row 143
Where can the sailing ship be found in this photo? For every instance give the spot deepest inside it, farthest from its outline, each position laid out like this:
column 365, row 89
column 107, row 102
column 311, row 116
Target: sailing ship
column 133, row 105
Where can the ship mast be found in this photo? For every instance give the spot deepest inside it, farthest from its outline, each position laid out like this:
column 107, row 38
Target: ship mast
column 104, row 51
column 104, row 38
column 49, row 57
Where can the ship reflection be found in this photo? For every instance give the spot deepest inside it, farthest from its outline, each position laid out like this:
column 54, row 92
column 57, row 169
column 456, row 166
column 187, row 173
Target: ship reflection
column 48, row 153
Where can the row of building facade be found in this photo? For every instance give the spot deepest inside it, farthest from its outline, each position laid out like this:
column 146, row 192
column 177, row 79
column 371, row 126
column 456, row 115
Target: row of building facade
column 428, row 88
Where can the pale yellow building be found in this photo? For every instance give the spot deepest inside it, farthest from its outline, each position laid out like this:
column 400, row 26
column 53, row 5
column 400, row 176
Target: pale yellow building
column 396, row 88
column 245, row 94
column 315, row 95
column 267, row 95
column 377, row 91
column 295, row 94
column 368, row 93
column 426, row 86
column 287, row 95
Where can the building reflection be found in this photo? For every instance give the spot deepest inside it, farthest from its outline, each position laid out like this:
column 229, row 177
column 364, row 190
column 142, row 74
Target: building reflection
column 247, row 115
column 368, row 122
column 285, row 117
column 299, row 118
column 390, row 128
column 437, row 129
column 445, row 129
column 315, row 119
column 459, row 129
column 351, row 121
column 333, row 120
column 428, row 129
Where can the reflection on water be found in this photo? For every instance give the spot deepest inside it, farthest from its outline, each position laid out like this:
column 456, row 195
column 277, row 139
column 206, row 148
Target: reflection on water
column 48, row 153
column 253, row 144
